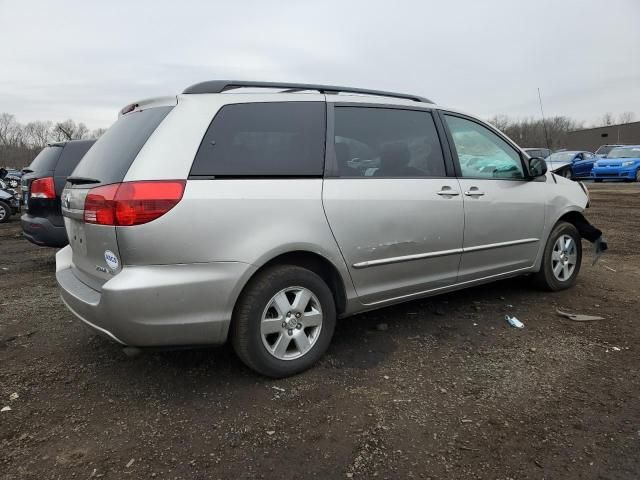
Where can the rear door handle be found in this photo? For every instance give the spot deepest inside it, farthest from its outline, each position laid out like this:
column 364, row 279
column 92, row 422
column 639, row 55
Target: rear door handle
column 474, row 192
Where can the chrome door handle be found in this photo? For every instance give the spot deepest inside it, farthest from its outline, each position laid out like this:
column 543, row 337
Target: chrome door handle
column 448, row 193
column 474, row 193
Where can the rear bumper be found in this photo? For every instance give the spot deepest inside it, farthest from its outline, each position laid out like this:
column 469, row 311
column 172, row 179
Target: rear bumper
column 157, row 305
column 41, row 231
column 614, row 173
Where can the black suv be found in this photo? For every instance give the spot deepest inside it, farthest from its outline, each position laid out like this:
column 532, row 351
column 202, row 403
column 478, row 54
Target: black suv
column 42, row 184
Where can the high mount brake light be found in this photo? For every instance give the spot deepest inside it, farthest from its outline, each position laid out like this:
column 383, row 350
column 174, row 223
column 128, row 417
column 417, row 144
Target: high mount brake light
column 43, row 188
column 131, row 203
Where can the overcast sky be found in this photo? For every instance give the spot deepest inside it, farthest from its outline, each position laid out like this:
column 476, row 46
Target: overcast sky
column 85, row 60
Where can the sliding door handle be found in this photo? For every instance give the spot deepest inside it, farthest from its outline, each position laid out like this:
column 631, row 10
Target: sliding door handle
column 448, row 193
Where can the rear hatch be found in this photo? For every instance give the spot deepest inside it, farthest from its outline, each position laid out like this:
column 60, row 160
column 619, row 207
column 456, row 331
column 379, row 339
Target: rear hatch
column 96, row 258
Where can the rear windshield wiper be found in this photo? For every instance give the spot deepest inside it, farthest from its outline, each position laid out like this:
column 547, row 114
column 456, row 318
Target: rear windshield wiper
column 81, row 180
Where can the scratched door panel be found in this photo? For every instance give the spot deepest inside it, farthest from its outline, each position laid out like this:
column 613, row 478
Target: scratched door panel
column 398, row 236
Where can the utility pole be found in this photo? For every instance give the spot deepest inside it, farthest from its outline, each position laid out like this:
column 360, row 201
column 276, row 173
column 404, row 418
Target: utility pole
column 544, row 125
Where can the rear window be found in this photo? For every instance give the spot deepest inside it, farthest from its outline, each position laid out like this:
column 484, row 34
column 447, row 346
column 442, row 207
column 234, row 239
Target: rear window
column 112, row 155
column 264, row 139
column 71, row 156
column 46, row 160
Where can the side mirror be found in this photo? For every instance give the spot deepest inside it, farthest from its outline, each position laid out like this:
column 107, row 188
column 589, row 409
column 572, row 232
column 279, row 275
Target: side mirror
column 537, row 167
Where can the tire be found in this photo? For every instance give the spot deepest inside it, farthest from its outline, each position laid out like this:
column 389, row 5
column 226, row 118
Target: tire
column 638, row 175
column 5, row 212
column 560, row 265
column 566, row 173
column 272, row 343
column 13, row 183
column 597, row 180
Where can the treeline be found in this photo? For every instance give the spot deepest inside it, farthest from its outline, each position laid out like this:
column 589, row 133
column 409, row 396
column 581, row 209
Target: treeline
column 20, row 143
column 552, row 133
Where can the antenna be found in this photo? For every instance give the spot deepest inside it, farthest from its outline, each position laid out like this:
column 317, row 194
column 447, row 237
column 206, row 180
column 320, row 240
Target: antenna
column 544, row 125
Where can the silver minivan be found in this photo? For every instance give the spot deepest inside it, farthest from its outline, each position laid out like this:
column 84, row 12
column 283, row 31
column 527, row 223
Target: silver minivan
column 262, row 212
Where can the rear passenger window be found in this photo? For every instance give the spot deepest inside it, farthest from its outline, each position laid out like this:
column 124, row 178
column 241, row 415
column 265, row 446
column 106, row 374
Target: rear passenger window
column 264, row 139
column 386, row 142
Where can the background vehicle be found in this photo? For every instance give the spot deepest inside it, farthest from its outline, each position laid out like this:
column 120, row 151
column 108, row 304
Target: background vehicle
column 11, row 177
column 538, row 152
column 42, row 184
column 571, row 164
column 622, row 163
column 9, row 202
column 603, row 150
column 219, row 214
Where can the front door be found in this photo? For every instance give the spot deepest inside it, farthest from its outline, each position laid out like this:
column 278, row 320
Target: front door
column 396, row 215
column 504, row 211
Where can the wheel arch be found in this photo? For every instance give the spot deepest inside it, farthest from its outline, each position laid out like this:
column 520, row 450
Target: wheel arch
column 313, row 261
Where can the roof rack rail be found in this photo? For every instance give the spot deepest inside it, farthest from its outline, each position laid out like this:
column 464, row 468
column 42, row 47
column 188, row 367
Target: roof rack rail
column 219, row 86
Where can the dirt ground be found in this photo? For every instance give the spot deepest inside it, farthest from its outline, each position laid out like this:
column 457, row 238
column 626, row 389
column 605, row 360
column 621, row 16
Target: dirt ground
column 448, row 391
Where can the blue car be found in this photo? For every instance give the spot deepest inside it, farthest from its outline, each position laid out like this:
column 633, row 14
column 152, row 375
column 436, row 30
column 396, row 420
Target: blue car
column 571, row 164
column 622, row 163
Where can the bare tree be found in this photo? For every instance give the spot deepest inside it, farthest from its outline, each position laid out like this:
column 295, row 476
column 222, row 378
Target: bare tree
column 70, row 130
column 626, row 117
column 38, row 133
column 11, row 132
column 97, row 133
column 607, row 119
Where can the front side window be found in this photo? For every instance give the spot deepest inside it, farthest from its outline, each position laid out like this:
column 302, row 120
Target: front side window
column 386, row 142
column 482, row 153
column 264, row 139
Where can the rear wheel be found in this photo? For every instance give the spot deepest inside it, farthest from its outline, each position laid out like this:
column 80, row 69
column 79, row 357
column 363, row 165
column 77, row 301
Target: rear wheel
column 284, row 321
column 561, row 259
column 638, row 175
column 5, row 212
column 566, row 173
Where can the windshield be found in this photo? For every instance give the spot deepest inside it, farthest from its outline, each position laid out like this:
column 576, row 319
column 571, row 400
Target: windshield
column 561, row 157
column 624, row 153
column 603, row 150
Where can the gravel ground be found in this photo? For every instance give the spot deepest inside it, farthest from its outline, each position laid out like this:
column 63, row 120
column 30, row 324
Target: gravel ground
column 448, row 390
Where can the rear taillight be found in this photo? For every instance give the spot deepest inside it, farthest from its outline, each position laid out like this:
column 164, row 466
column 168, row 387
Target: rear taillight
column 132, row 203
column 43, row 188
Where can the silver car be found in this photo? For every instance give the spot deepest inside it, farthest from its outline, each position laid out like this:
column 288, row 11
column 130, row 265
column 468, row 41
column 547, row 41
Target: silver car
column 225, row 214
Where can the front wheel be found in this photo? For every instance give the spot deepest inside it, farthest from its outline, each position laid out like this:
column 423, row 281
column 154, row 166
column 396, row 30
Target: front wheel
column 561, row 259
column 284, row 321
column 5, row 212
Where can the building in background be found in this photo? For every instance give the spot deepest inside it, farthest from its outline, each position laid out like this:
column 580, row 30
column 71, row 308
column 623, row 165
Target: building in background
column 591, row 138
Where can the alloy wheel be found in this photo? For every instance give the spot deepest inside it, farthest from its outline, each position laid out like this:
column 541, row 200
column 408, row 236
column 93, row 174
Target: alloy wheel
column 291, row 323
column 3, row 213
column 564, row 257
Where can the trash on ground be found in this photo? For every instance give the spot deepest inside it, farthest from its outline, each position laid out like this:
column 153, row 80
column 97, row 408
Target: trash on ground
column 13, row 396
column 576, row 317
column 609, row 268
column 279, row 389
column 5, row 409
column 514, row 322
column 130, row 462
column 616, row 349
column 270, row 432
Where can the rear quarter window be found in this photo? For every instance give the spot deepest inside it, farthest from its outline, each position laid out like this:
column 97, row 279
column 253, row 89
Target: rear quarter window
column 264, row 139
column 112, row 155
column 47, row 159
